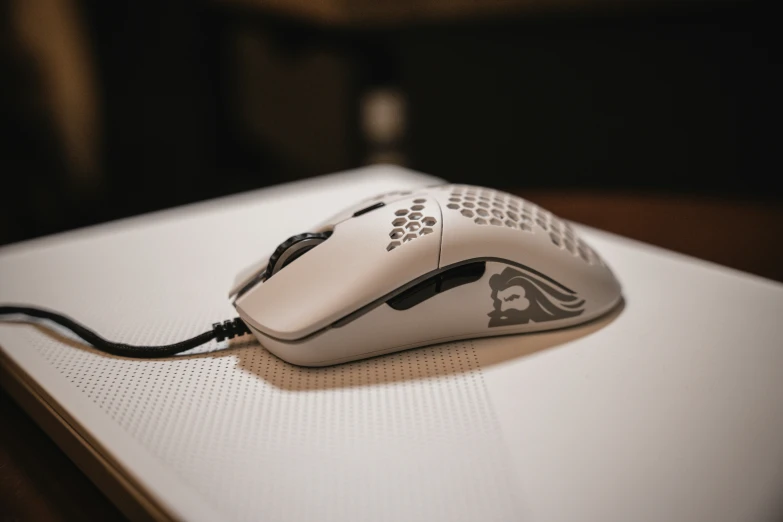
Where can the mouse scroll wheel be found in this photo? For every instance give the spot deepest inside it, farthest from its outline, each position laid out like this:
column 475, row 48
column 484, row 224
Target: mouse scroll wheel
column 292, row 248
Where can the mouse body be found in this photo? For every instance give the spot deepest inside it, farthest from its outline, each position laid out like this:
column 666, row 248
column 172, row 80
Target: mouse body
column 412, row 268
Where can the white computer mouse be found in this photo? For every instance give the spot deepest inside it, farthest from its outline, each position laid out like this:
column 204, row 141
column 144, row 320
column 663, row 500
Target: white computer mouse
column 412, row 268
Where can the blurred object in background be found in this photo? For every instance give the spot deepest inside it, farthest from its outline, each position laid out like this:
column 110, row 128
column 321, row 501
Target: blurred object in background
column 49, row 126
column 383, row 126
column 54, row 33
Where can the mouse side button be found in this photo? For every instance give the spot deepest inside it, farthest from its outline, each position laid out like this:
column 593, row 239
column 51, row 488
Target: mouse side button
column 441, row 282
column 461, row 275
column 415, row 295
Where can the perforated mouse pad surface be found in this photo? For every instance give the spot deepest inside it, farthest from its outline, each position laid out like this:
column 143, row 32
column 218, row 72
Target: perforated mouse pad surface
column 261, row 439
column 665, row 409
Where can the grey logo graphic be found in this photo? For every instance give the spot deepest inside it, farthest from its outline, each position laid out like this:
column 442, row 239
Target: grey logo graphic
column 522, row 297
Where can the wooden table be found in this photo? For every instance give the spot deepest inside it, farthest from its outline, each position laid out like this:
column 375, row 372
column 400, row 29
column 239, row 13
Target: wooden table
column 38, row 482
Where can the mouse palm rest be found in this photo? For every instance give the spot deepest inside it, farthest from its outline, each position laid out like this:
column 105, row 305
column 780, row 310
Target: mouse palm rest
column 404, row 270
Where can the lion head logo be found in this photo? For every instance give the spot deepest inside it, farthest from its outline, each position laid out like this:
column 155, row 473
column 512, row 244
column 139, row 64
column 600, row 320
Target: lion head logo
column 521, row 297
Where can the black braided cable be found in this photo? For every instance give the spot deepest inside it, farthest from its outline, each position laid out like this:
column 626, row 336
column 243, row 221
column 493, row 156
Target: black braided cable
column 220, row 331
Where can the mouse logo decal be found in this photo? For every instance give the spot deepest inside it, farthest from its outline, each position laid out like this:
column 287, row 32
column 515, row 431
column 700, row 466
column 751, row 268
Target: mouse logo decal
column 523, row 297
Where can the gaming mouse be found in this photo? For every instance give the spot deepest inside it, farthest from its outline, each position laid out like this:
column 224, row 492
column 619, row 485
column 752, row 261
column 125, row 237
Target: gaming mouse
column 412, row 268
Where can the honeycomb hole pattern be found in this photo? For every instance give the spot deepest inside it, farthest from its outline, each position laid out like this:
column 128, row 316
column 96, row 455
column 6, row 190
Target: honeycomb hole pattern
column 562, row 236
column 490, row 207
column 410, row 223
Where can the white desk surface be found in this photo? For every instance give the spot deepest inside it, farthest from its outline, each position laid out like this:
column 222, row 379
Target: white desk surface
column 671, row 409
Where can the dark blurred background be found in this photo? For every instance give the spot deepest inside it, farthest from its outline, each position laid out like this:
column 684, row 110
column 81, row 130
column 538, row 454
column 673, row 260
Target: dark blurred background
column 658, row 120
column 640, row 117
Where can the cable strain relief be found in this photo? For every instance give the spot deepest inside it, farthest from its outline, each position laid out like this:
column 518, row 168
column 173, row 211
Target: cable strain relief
column 230, row 329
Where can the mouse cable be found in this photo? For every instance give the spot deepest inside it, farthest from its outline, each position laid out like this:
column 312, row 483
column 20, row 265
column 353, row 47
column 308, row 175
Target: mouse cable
column 220, row 332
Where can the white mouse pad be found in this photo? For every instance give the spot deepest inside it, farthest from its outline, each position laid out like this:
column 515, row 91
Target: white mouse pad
column 669, row 409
